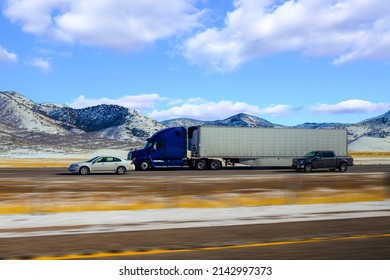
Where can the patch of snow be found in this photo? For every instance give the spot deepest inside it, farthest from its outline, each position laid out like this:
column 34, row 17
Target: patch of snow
column 61, row 153
column 108, row 152
column 364, row 144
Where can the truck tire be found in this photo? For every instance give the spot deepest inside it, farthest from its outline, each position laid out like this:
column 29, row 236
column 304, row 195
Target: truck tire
column 144, row 165
column 201, row 164
column 215, row 164
column 308, row 167
column 343, row 167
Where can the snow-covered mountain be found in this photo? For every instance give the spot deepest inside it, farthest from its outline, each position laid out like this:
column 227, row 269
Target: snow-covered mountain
column 18, row 112
column 134, row 127
column 322, row 125
column 371, row 134
column 368, row 135
column 22, row 114
column 243, row 120
column 182, row 122
column 26, row 125
column 107, row 121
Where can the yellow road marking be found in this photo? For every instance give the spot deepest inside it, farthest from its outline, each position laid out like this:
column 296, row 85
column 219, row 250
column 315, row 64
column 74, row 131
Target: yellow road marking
column 215, row 248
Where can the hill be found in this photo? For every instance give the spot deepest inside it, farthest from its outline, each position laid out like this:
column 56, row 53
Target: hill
column 28, row 129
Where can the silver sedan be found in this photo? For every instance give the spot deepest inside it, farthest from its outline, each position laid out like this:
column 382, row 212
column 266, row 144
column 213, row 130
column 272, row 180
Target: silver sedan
column 102, row 164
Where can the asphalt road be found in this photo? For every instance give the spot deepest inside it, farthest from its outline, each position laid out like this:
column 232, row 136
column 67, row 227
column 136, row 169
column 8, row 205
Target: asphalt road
column 366, row 238
column 242, row 170
column 358, row 238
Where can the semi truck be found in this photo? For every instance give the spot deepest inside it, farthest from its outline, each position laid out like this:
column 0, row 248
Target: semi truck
column 208, row 147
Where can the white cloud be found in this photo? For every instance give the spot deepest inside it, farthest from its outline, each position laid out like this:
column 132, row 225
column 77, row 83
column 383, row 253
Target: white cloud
column 205, row 110
column 124, row 25
column 42, row 64
column 196, row 108
column 140, row 102
column 346, row 30
column 6, row 56
column 353, row 106
column 277, row 110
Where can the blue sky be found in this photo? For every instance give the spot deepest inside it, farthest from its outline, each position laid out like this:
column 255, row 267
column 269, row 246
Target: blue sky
column 285, row 61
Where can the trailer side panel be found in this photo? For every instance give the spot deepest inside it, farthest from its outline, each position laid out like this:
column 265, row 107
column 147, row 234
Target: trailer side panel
column 252, row 143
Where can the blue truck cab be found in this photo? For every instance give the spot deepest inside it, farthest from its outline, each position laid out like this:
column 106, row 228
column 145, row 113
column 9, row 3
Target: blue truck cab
column 166, row 148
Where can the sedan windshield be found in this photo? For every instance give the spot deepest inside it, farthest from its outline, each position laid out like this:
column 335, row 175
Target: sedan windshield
column 92, row 159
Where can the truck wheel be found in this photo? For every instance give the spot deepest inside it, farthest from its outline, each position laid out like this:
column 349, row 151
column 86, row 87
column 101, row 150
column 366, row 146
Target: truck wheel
column 84, row 170
column 144, row 165
column 343, row 167
column 201, row 164
column 308, row 167
column 215, row 164
column 121, row 170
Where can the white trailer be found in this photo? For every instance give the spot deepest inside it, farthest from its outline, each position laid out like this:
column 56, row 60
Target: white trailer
column 263, row 146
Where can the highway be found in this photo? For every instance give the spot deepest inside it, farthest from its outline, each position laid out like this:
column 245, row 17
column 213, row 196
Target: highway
column 242, row 170
column 360, row 238
column 34, row 200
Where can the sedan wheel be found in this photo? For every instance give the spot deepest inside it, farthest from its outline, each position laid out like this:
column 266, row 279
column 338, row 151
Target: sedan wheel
column 84, row 170
column 121, row 170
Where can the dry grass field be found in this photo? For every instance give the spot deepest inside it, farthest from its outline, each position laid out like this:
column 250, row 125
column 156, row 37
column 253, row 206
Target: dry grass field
column 370, row 154
column 37, row 162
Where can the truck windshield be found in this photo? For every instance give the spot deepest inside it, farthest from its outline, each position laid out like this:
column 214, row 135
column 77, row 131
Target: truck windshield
column 148, row 145
column 311, row 154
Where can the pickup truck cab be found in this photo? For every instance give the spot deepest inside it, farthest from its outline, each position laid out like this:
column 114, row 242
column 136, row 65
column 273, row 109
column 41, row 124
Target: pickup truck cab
column 322, row 159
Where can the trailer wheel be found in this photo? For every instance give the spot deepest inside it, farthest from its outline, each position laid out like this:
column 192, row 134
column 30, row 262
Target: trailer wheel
column 201, row 164
column 308, row 167
column 343, row 167
column 215, row 164
column 144, row 165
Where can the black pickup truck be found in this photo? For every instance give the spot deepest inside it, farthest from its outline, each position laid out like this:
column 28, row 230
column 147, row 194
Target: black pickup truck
column 322, row 159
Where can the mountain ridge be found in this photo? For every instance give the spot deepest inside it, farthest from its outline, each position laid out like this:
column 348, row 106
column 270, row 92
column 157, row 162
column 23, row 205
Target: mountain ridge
column 241, row 119
column 24, row 122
